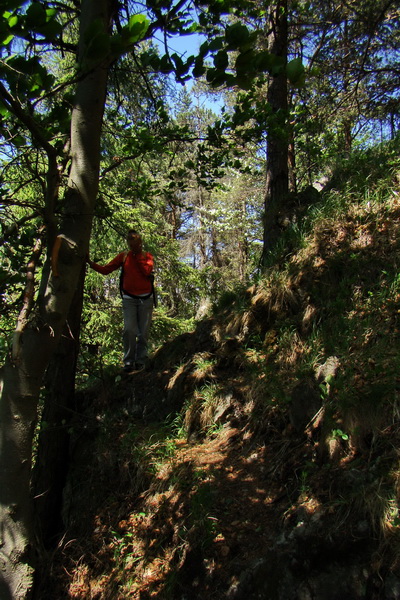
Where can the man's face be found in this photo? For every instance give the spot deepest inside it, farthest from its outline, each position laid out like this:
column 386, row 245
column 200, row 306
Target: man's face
column 135, row 243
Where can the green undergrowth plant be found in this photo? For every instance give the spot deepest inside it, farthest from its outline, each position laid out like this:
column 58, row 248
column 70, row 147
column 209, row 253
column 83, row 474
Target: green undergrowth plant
column 345, row 286
column 201, row 513
column 336, row 291
column 231, row 300
column 136, row 453
column 331, row 290
column 204, row 364
column 198, row 413
column 369, row 170
column 101, row 342
column 292, row 238
column 161, row 450
column 165, row 327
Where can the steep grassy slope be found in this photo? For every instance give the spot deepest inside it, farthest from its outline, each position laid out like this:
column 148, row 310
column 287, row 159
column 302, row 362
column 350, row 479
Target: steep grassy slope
column 258, row 456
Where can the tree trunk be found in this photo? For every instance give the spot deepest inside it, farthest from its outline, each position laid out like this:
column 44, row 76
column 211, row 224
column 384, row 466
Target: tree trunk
column 292, row 181
column 243, row 243
column 201, row 232
column 22, row 375
column 51, row 465
column 277, row 138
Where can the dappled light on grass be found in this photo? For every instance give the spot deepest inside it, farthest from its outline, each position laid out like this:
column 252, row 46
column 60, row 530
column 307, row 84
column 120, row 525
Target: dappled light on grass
column 268, row 436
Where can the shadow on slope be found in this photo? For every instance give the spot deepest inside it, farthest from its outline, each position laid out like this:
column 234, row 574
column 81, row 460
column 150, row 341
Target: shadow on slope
column 258, row 455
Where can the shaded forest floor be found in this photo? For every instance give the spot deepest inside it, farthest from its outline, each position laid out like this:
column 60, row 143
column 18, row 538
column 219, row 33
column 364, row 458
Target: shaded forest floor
column 156, row 516
column 256, row 457
column 190, row 516
column 153, row 515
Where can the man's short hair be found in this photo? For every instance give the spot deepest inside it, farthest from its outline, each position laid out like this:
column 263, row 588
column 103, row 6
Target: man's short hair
column 132, row 232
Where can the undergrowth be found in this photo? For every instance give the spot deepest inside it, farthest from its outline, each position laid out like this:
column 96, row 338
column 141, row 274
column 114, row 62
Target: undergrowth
column 319, row 332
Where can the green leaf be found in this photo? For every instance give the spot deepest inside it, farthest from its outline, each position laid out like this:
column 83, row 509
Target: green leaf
column 117, row 45
column 50, row 30
column 221, row 60
column 12, row 21
column 215, row 77
column 338, row 433
column 244, row 83
column 204, row 49
column 264, row 61
column 19, row 141
column 295, row 71
column 236, row 35
column 150, row 58
column 40, row 81
column 95, row 28
column 165, row 65
column 99, row 47
column 5, row 34
column 20, row 65
column 211, row 74
column 136, row 28
column 178, row 61
column 216, row 44
column 199, row 68
column 194, row 28
column 245, row 63
column 7, row 40
column 231, row 80
column 4, row 112
column 189, row 62
column 35, row 15
column 51, row 12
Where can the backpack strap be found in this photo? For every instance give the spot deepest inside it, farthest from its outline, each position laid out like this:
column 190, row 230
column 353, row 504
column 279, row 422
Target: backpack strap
column 153, row 290
column 121, row 275
column 151, row 277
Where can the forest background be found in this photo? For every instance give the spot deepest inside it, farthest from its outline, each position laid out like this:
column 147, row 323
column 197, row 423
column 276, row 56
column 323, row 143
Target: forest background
column 104, row 126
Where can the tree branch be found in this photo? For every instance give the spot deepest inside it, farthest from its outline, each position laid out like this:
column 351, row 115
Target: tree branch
column 28, row 297
column 11, row 229
column 16, row 109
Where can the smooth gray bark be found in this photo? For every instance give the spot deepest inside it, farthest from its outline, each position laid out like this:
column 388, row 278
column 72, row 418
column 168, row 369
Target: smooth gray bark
column 22, row 375
column 52, row 460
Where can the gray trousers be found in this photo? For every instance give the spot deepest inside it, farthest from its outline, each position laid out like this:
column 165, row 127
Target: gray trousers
column 137, row 318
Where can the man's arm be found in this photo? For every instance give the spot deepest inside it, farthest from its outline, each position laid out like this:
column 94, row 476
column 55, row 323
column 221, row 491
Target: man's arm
column 145, row 263
column 109, row 267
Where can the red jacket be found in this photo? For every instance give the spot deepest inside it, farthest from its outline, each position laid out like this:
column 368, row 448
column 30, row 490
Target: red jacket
column 136, row 273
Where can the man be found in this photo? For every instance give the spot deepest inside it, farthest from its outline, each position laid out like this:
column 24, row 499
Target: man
column 137, row 300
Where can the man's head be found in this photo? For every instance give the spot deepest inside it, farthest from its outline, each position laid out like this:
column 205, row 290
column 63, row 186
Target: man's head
column 134, row 241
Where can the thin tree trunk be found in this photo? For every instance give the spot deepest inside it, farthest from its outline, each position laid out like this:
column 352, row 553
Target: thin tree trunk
column 201, row 233
column 292, row 163
column 22, row 375
column 243, row 244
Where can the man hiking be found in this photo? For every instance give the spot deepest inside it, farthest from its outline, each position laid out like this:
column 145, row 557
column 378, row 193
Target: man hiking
column 136, row 286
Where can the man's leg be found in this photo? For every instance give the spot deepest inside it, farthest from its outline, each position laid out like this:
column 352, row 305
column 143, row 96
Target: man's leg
column 145, row 311
column 131, row 329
